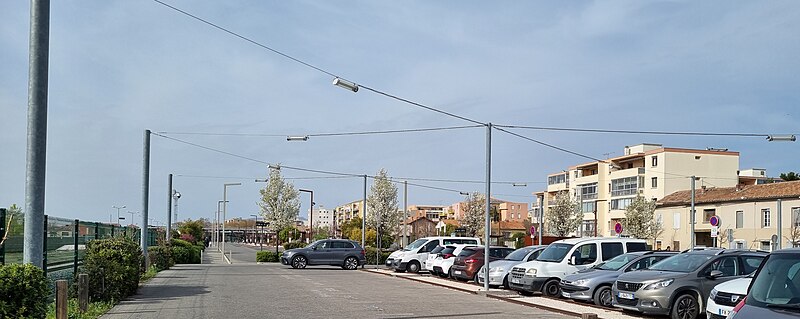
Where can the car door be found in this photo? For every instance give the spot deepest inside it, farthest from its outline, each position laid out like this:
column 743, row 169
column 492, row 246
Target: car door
column 424, row 250
column 339, row 251
column 321, row 253
column 585, row 256
column 728, row 265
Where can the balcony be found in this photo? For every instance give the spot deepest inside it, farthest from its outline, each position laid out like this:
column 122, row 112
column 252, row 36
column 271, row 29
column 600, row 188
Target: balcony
column 589, row 196
column 624, row 192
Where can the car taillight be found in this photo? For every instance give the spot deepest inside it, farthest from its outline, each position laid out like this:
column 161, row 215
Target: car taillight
column 445, row 256
column 738, row 307
column 471, row 260
column 363, row 252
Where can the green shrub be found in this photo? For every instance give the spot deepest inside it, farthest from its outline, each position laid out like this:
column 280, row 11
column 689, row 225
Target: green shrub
column 293, row 245
column 23, row 291
column 186, row 255
column 266, row 256
column 200, row 247
column 371, row 255
column 114, row 266
column 175, row 242
column 160, row 257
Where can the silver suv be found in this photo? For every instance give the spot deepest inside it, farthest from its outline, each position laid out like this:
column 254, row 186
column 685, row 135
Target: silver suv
column 679, row 285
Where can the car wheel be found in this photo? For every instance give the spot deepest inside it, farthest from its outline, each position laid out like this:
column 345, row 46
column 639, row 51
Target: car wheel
column 505, row 283
column 475, row 279
column 685, row 307
column 413, row 267
column 551, row 288
column 602, row 296
column 450, row 274
column 351, row 263
column 299, row 262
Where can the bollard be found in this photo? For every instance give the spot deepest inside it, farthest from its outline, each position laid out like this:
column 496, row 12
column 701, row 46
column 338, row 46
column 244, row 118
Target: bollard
column 61, row 299
column 83, row 292
column 588, row 316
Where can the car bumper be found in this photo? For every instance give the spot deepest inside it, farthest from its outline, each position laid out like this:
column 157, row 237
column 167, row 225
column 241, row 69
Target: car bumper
column 389, row 262
column 529, row 284
column 647, row 302
column 461, row 273
column 576, row 292
column 495, row 279
column 714, row 310
column 399, row 265
column 284, row 260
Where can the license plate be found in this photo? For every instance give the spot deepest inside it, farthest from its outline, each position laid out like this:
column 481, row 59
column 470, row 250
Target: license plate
column 514, row 281
column 625, row 295
column 723, row 312
column 457, row 272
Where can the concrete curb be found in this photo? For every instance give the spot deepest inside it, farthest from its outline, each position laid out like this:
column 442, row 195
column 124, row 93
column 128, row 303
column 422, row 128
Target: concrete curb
column 489, row 295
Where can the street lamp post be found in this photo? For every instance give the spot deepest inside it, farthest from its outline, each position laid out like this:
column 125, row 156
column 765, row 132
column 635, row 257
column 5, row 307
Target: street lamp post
column 225, row 210
column 118, row 208
column 310, row 214
column 216, row 231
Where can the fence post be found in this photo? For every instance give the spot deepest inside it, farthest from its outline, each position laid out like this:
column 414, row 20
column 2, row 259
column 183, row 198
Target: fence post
column 112, row 230
column 83, row 292
column 2, row 233
column 44, row 246
column 75, row 234
column 96, row 230
column 61, row 299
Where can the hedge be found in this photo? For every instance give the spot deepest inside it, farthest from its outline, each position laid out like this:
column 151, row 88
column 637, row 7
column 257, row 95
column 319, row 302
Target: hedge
column 294, row 244
column 23, row 291
column 161, row 257
column 114, row 266
column 371, row 254
column 266, row 256
column 186, row 255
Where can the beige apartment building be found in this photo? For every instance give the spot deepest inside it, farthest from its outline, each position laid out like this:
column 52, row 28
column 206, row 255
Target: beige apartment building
column 509, row 211
column 750, row 212
column 605, row 188
column 432, row 212
column 346, row 212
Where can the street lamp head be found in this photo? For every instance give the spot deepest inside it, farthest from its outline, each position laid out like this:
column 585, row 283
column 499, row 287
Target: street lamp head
column 464, row 193
column 297, row 138
column 519, row 184
column 781, row 138
column 270, row 166
column 345, row 84
column 262, row 180
column 232, row 184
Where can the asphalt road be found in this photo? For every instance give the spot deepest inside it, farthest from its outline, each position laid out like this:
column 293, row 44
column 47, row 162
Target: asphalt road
column 245, row 289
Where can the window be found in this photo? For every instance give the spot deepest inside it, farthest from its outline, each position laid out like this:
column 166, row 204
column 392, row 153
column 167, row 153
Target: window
column 708, row 213
column 676, row 245
column 586, row 254
column 676, row 221
column 740, row 219
column 751, row 263
column 729, row 266
column 632, row 247
column 796, row 216
column 624, row 186
column 765, row 218
column 588, row 191
column 645, row 263
column 589, row 207
column 557, row 179
column 739, row 245
column 654, row 182
column 766, row 245
column 611, row 250
column 342, row 244
column 429, row 246
column 621, row 203
column 654, row 161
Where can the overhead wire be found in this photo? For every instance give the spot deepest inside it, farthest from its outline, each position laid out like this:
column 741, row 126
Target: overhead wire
column 375, row 132
column 566, row 129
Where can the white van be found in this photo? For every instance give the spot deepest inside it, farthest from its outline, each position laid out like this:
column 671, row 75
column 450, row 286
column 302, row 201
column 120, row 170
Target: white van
column 565, row 257
column 412, row 258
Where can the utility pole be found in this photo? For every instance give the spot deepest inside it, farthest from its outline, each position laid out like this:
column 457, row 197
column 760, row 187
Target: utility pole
column 404, row 242
column 145, row 195
column 38, row 57
column 541, row 217
column 169, row 207
column 364, row 216
column 488, row 226
column 691, row 215
column 780, row 223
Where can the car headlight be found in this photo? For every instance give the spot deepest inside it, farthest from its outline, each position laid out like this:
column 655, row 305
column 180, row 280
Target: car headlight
column 580, row 282
column 713, row 294
column 531, row 272
column 496, row 269
column 659, row 285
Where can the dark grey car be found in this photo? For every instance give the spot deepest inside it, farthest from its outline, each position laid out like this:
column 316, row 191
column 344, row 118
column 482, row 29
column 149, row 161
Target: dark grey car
column 775, row 290
column 336, row 252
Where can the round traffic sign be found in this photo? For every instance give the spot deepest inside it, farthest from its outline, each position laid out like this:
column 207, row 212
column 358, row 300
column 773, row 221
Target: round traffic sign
column 618, row 228
column 533, row 230
column 714, row 220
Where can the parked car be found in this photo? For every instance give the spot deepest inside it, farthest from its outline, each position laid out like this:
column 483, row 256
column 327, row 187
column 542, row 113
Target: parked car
column 565, row 257
column 679, row 285
column 498, row 269
column 774, row 292
column 442, row 264
column 431, row 257
column 337, row 252
column 470, row 260
column 412, row 258
column 594, row 284
column 725, row 296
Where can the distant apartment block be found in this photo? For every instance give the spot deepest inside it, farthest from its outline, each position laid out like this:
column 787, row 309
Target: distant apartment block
column 322, row 217
column 346, row 212
column 509, row 211
column 431, row 212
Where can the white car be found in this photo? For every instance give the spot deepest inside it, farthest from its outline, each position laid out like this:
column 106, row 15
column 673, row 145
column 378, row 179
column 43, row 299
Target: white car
column 443, row 262
column 413, row 257
column 431, row 257
column 725, row 296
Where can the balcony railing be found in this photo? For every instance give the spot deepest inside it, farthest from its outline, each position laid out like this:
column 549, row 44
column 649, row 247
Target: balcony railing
column 623, row 192
column 589, row 196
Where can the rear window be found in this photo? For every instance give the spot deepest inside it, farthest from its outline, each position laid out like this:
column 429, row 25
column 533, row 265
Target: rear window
column 751, row 263
column 632, row 247
column 468, row 241
column 499, row 252
column 448, row 250
column 467, row 252
column 342, row 244
column 437, row 250
column 611, row 250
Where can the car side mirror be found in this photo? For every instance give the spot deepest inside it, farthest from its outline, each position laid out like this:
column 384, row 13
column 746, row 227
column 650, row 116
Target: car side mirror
column 572, row 260
column 715, row 274
column 314, row 248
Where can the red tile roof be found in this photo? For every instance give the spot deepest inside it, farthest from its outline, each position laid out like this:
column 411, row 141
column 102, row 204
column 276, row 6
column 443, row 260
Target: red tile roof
column 734, row 194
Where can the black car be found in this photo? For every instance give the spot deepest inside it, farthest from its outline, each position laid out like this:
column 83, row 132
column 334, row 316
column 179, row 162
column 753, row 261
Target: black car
column 336, row 252
column 775, row 290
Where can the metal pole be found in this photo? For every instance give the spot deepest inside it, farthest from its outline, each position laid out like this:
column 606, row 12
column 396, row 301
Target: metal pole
column 691, row 215
column 76, row 230
column 780, row 223
column 224, row 214
column 145, row 196
column 311, row 219
column 3, row 232
column 44, row 246
column 541, row 218
column 487, row 231
column 404, row 242
column 364, row 215
column 39, row 50
column 169, row 207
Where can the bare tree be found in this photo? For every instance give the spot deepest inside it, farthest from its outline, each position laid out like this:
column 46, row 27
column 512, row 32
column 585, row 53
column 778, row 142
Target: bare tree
column 474, row 213
column 794, row 229
column 564, row 217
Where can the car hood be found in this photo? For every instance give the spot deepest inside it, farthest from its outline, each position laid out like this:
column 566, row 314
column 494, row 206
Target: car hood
column 648, row 276
column 295, row 250
column 504, row 263
column 592, row 274
column 736, row 286
column 396, row 254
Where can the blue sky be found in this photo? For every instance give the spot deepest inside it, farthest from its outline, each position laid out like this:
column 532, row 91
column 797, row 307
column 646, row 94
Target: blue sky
column 119, row 67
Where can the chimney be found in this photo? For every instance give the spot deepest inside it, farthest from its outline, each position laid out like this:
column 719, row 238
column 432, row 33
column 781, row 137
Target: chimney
column 704, row 188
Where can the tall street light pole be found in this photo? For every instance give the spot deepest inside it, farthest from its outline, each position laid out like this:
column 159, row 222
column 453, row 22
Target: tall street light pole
column 217, row 236
column 692, row 214
column 169, row 206
column 118, row 208
column 364, row 216
column 225, row 210
column 404, row 242
column 488, row 226
column 310, row 214
column 145, row 195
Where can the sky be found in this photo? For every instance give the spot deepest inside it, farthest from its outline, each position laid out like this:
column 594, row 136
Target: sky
column 120, row 67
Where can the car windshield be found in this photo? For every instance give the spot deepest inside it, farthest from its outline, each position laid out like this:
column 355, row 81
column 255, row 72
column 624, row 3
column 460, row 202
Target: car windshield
column 519, row 254
column 554, row 252
column 777, row 283
column 617, row 262
column 686, row 262
column 416, row 244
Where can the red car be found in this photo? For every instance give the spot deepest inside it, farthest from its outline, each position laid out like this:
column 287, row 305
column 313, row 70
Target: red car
column 470, row 260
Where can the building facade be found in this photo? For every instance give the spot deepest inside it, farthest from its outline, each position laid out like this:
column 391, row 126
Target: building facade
column 322, row 217
column 432, row 212
column 346, row 212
